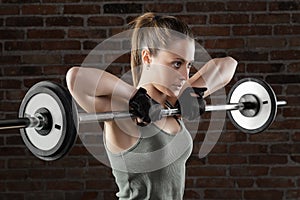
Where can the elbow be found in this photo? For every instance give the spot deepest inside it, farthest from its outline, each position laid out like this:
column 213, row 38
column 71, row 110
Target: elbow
column 228, row 67
column 71, row 78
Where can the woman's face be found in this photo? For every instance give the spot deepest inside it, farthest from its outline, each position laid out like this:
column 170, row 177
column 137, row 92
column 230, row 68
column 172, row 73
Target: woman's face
column 170, row 68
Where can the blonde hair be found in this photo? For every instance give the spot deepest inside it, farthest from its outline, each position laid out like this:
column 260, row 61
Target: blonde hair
column 158, row 37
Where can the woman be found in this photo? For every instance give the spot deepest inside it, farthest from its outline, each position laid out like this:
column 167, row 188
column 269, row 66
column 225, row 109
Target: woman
column 148, row 153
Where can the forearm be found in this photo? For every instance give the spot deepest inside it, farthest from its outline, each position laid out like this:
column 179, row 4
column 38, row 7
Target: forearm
column 214, row 75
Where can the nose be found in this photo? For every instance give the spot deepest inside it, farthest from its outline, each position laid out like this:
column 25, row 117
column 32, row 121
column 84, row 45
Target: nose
column 184, row 73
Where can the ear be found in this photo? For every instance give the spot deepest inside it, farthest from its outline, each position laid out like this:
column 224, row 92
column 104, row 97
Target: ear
column 146, row 56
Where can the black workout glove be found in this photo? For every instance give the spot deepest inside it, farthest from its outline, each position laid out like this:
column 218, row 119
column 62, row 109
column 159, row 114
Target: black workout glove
column 144, row 107
column 191, row 103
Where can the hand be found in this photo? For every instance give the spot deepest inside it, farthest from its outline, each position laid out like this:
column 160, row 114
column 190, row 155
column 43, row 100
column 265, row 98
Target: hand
column 191, row 103
column 145, row 108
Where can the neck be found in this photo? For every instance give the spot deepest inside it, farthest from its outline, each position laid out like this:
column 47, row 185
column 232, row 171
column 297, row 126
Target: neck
column 158, row 95
column 155, row 94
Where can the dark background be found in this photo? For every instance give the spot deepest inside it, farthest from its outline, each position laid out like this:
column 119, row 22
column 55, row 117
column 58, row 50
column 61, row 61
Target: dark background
column 42, row 39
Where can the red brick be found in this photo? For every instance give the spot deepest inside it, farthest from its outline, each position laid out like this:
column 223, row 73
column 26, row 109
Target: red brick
column 163, row 7
column 56, row 70
column 74, row 59
column 13, row 175
column 275, row 183
column 263, row 194
column 105, row 21
column 24, row 21
column 252, row 30
column 229, row 19
column 193, row 19
column 280, row 79
column 11, row 151
column 23, row 186
column 244, row 183
column 214, row 183
column 64, row 21
column 88, row 45
column 284, row 5
column 14, row 140
column 19, row 163
column 291, row 112
column 269, row 159
column 223, row 194
column 270, row 18
column 246, row 6
column 294, row 42
column 205, row 6
column 117, row 8
column 206, row 171
column 224, row 43
column 296, row 136
column 285, row 148
column 285, row 55
column 249, row 55
column 265, row 68
column 9, row 10
column 64, row 185
column 287, row 30
column 191, row 194
column 33, row 33
column 42, row 59
column 285, row 171
column 11, row 34
column 270, row 137
column 226, row 160
column 247, row 148
column 47, row 174
column 22, row 46
column 293, row 194
column 45, row 195
column 87, row 33
column 103, row 184
column 266, row 42
column 82, row 9
column 61, row 1
column 249, row 171
column 12, row 195
column 40, row 9
column 10, row 84
column 211, row 31
column 61, row 45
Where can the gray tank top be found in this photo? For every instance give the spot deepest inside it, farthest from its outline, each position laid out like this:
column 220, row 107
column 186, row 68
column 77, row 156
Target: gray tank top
column 154, row 168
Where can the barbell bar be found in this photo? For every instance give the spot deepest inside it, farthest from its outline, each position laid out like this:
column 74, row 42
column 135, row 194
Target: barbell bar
column 48, row 117
column 38, row 121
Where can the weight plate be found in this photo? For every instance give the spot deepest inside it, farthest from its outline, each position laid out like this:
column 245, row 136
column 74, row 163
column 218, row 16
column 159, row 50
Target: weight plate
column 58, row 101
column 266, row 100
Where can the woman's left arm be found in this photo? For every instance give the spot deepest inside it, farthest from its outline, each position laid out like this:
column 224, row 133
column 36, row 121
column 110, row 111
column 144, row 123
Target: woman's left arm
column 214, row 75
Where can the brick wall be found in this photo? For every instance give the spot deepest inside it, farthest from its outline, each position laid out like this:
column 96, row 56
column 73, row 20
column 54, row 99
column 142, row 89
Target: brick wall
column 41, row 39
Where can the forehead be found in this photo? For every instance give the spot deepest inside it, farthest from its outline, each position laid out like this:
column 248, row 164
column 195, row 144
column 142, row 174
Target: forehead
column 184, row 48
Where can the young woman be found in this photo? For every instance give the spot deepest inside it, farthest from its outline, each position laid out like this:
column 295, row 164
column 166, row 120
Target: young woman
column 148, row 153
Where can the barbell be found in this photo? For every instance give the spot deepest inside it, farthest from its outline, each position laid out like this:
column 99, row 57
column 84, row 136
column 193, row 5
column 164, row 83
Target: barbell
column 48, row 117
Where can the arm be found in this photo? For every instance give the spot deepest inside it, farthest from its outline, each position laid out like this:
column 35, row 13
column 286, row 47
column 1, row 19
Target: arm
column 215, row 74
column 93, row 89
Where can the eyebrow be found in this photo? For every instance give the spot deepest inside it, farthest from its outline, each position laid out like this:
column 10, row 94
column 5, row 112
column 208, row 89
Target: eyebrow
column 183, row 60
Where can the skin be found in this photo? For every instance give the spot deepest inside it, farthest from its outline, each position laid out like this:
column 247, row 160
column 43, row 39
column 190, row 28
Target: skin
column 164, row 76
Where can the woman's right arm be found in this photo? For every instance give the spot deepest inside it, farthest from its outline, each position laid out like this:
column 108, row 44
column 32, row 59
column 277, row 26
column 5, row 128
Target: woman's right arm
column 96, row 90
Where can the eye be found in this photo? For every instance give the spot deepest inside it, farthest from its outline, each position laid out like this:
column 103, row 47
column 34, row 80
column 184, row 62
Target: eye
column 176, row 64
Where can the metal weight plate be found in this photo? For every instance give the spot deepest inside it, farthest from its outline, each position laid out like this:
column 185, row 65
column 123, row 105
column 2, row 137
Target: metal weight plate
column 62, row 133
column 265, row 112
